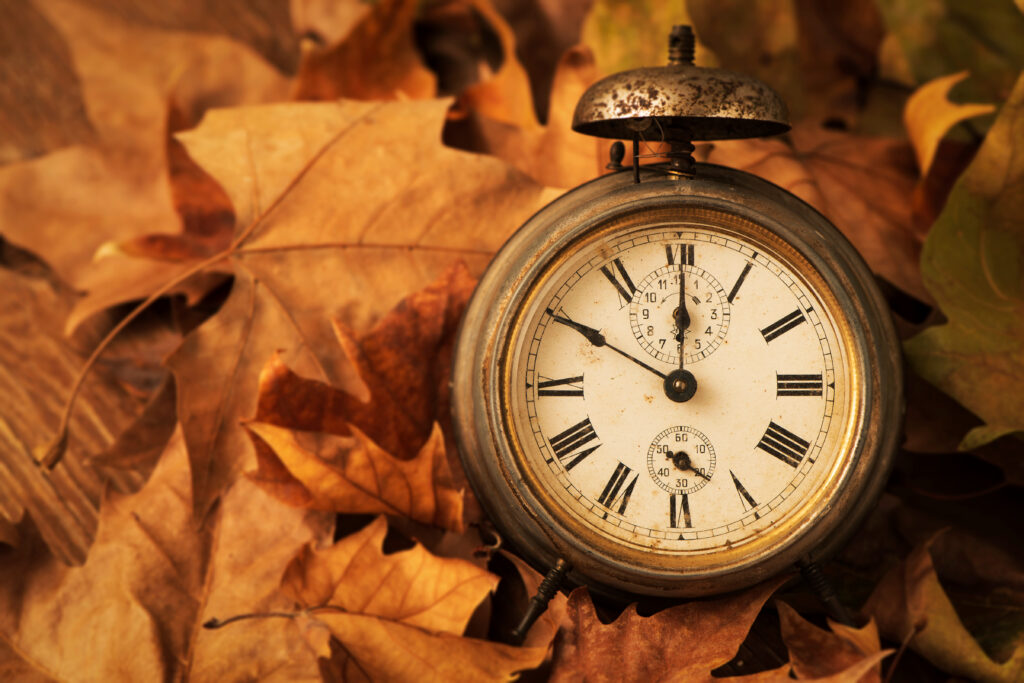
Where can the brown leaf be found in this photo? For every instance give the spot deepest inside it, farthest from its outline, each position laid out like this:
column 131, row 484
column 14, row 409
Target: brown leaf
column 400, row 616
column 354, row 475
column 862, row 184
column 377, row 60
column 552, row 154
column 816, row 653
column 323, row 249
column 910, row 603
column 134, row 609
column 131, row 62
column 685, row 642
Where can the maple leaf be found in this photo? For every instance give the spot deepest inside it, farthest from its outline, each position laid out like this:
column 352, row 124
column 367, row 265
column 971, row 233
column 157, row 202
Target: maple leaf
column 400, row 616
column 910, row 604
column 129, row 63
column 397, row 222
column 861, row 184
column 971, row 265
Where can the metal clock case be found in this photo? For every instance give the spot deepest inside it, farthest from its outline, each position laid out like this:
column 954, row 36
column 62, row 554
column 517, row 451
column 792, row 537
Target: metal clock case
column 727, row 389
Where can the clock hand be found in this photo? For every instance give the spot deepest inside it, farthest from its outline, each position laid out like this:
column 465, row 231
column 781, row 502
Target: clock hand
column 597, row 339
column 681, row 459
column 682, row 315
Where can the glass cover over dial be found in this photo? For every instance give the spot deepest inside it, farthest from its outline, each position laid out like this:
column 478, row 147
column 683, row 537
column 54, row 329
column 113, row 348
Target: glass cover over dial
column 678, row 383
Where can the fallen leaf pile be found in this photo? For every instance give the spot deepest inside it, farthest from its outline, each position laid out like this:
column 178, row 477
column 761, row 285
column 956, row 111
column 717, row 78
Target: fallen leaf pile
column 236, row 243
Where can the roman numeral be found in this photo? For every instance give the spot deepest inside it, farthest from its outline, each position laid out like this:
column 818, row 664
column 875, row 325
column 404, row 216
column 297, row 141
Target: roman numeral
column 746, row 500
column 574, row 384
column 783, row 325
column 798, row 385
column 783, row 444
column 610, row 496
column 679, row 511
column 684, row 251
column 739, row 280
column 566, row 444
column 626, row 287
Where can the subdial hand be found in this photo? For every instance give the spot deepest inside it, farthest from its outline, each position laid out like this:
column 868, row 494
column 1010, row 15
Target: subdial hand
column 681, row 460
column 682, row 318
column 597, row 339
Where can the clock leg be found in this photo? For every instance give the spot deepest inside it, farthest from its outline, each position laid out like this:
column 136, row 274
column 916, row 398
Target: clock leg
column 812, row 574
column 539, row 602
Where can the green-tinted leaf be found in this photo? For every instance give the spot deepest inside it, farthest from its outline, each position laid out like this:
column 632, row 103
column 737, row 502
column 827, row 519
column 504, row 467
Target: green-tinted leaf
column 972, row 265
column 940, row 37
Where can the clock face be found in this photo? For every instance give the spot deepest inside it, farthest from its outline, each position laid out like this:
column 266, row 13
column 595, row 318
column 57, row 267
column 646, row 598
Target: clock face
column 678, row 385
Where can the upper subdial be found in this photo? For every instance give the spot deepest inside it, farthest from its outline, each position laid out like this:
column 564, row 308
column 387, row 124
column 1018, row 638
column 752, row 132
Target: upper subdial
column 654, row 312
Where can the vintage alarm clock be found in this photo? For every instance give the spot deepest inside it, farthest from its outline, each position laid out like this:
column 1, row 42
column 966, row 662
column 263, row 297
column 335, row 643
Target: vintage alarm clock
column 677, row 379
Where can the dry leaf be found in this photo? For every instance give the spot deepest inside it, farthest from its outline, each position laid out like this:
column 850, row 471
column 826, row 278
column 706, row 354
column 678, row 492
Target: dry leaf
column 354, row 475
column 971, row 264
column 140, row 266
column 929, row 115
column 910, row 603
column 398, row 220
column 680, row 643
column 505, row 96
column 552, row 154
column 400, row 616
column 130, row 63
column 133, row 609
column 862, row 184
column 370, row 448
column 816, row 653
column 377, row 60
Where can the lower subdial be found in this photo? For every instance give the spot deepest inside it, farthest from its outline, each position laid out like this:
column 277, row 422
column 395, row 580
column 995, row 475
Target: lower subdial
column 652, row 314
column 681, row 460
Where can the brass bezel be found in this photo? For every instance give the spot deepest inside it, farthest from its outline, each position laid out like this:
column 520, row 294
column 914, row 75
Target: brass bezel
column 684, row 561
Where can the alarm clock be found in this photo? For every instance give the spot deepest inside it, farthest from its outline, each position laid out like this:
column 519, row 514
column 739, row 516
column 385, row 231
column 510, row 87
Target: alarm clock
column 677, row 379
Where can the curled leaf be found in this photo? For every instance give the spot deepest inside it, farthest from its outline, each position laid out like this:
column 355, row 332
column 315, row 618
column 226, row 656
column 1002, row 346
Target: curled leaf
column 929, row 115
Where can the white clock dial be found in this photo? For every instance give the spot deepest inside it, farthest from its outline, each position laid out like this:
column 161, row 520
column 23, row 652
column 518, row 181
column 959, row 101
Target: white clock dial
column 598, row 428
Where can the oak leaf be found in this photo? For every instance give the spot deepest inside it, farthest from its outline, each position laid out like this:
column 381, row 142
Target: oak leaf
column 910, row 604
column 400, row 616
column 971, row 265
column 860, row 183
column 817, row 653
column 398, row 220
column 682, row 643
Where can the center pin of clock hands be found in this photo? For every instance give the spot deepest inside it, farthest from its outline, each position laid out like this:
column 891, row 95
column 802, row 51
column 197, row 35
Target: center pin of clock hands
column 597, row 339
column 680, row 384
column 681, row 460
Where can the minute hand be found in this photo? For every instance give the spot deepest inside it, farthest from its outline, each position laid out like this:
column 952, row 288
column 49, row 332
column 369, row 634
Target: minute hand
column 597, row 339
